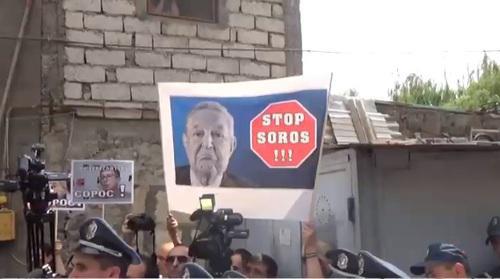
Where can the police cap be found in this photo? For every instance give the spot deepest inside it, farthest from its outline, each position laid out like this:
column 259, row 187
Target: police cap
column 370, row 266
column 441, row 252
column 98, row 238
column 343, row 260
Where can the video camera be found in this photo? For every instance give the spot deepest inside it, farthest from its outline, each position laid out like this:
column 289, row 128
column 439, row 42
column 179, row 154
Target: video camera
column 33, row 183
column 141, row 222
column 213, row 244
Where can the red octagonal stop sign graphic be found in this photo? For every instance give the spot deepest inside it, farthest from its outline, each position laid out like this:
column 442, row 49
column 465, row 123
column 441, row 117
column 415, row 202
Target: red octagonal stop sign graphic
column 283, row 135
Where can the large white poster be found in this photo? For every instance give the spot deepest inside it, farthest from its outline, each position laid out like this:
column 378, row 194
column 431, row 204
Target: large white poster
column 254, row 145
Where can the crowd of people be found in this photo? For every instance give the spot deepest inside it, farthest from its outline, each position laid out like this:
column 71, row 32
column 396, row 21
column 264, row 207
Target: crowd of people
column 101, row 252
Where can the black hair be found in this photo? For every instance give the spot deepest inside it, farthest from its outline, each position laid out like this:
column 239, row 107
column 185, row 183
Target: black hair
column 246, row 256
column 151, row 267
column 110, row 168
column 271, row 265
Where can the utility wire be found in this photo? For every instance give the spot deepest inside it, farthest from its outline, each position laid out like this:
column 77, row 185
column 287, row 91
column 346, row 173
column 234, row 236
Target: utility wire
column 183, row 49
column 228, row 48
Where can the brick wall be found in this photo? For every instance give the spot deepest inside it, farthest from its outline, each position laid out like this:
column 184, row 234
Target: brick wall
column 119, row 54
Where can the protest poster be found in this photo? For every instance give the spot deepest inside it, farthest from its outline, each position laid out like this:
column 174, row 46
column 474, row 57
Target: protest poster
column 254, row 145
column 63, row 200
column 102, row 181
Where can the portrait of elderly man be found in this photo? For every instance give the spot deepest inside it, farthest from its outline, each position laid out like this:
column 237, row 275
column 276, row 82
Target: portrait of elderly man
column 109, row 180
column 209, row 143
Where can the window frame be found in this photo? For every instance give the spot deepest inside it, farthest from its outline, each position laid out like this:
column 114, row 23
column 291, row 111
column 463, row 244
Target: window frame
column 220, row 13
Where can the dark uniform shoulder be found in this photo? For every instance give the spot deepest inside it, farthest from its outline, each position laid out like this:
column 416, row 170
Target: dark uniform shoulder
column 494, row 273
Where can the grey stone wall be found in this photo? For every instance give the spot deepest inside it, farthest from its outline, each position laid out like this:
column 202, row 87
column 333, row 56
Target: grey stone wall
column 433, row 122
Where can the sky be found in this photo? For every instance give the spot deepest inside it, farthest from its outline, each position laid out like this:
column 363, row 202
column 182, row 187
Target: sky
column 381, row 42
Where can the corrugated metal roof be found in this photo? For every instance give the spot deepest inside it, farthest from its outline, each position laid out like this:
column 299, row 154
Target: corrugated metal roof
column 341, row 122
column 352, row 120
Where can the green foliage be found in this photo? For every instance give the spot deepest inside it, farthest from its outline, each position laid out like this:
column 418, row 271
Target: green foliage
column 481, row 92
column 414, row 90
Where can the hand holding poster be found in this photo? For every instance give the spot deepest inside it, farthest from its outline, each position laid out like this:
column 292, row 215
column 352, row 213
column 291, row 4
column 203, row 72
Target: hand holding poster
column 102, row 181
column 255, row 145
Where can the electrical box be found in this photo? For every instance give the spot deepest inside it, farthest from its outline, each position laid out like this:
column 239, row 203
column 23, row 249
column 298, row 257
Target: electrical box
column 7, row 225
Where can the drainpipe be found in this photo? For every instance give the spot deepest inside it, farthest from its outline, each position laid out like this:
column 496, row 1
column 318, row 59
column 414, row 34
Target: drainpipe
column 15, row 57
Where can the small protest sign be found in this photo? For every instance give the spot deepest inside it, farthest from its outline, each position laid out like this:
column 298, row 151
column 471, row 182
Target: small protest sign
column 102, row 181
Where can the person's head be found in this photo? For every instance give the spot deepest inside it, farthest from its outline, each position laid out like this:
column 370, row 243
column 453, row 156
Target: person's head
column 109, row 177
column 240, row 259
column 175, row 261
column 161, row 257
column 262, row 266
column 209, row 140
column 97, row 266
column 443, row 261
column 101, row 252
column 493, row 232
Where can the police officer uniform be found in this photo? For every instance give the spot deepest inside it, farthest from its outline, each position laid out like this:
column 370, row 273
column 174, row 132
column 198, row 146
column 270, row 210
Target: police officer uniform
column 98, row 238
column 493, row 230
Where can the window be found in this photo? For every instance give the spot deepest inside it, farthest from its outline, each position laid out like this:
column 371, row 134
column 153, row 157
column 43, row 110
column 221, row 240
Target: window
column 202, row 10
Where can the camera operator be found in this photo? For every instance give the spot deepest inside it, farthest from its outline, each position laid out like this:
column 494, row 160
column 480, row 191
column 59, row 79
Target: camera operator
column 262, row 266
column 101, row 253
column 240, row 259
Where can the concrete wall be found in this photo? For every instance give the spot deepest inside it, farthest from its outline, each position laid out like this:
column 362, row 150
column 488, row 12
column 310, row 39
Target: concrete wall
column 410, row 199
column 433, row 122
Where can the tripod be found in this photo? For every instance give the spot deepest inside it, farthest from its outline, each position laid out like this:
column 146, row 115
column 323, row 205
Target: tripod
column 35, row 250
